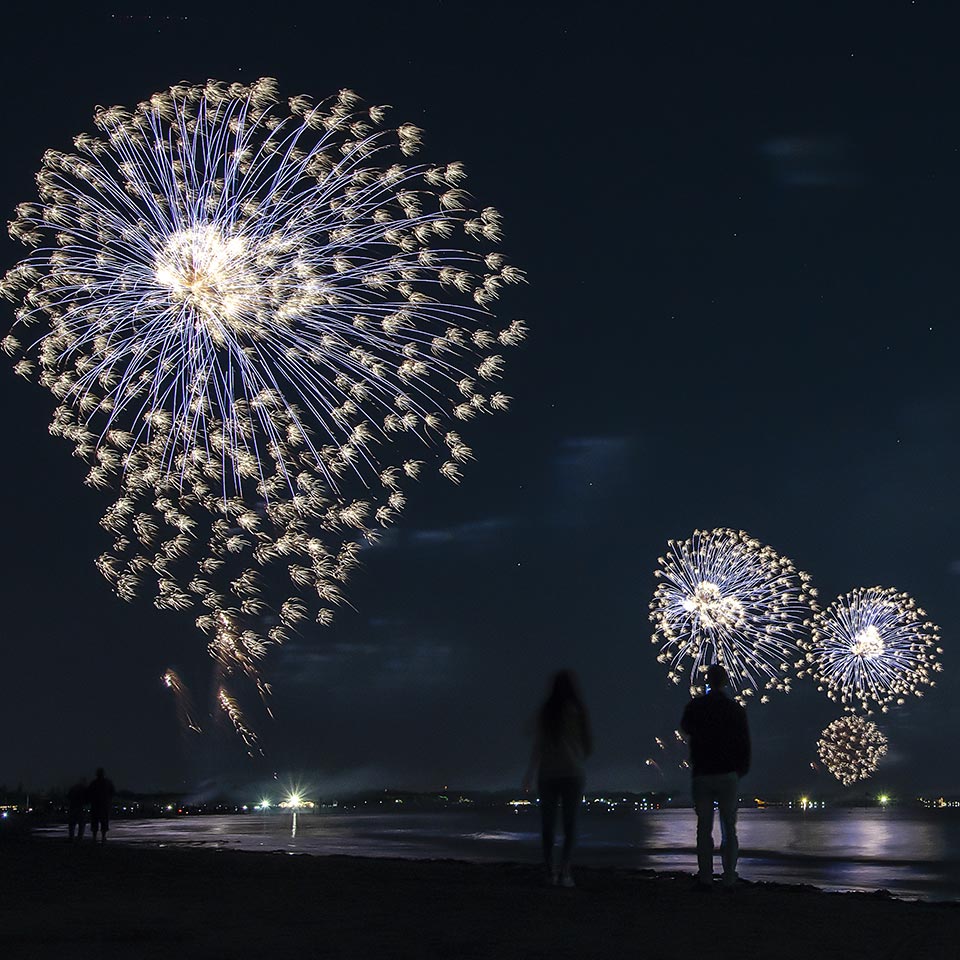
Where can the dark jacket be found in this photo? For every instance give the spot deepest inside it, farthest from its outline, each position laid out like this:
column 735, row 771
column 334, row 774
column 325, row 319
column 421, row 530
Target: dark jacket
column 719, row 736
column 100, row 796
column 77, row 796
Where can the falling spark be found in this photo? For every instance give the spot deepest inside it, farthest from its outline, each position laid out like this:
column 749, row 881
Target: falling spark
column 232, row 709
column 185, row 711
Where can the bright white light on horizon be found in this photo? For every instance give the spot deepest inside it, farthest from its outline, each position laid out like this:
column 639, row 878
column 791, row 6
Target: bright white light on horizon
column 295, row 800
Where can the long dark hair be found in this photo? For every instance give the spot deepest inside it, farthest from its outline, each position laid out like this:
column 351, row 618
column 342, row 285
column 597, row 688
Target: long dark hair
column 564, row 691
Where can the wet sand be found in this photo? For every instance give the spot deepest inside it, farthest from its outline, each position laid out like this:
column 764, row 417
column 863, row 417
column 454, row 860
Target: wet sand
column 68, row 901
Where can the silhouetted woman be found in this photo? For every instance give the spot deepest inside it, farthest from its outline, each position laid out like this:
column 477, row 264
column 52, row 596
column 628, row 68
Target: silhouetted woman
column 562, row 744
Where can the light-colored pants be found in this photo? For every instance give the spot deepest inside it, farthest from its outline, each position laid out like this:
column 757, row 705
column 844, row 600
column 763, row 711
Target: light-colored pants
column 722, row 788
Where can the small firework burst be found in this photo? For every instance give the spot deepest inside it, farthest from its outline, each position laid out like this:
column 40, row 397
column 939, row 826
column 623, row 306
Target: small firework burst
column 725, row 598
column 851, row 747
column 873, row 648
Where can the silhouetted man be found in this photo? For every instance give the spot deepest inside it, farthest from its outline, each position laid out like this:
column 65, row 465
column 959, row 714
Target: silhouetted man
column 100, row 794
column 716, row 728
column 76, row 800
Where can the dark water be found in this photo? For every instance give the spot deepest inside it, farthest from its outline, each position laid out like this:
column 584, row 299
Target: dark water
column 911, row 853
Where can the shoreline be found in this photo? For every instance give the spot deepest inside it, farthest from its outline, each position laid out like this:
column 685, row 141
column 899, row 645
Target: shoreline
column 141, row 900
column 410, row 837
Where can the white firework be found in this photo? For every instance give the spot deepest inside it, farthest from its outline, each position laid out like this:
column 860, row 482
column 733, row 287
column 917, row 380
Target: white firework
column 873, row 648
column 239, row 279
column 851, row 747
column 723, row 597
column 252, row 314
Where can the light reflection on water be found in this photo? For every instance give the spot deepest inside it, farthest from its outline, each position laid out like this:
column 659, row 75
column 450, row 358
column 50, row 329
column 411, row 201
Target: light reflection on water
column 912, row 853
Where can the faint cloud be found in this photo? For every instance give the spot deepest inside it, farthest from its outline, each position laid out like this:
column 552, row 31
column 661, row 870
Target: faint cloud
column 397, row 656
column 591, row 475
column 473, row 533
column 592, row 453
column 809, row 161
column 476, row 534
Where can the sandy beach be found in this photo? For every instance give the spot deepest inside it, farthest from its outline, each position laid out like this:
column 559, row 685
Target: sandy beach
column 68, row 901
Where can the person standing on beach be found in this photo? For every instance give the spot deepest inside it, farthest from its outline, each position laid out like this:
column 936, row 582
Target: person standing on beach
column 100, row 794
column 563, row 742
column 76, row 801
column 716, row 728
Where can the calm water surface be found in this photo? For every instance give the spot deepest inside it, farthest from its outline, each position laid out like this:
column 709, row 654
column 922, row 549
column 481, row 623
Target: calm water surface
column 911, row 853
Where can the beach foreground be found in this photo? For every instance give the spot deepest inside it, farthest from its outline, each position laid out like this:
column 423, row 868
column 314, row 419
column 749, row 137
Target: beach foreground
column 68, row 901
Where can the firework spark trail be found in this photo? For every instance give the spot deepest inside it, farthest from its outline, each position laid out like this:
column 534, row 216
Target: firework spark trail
column 668, row 751
column 185, row 710
column 255, row 314
column 873, row 647
column 725, row 598
column 851, row 748
column 232, row 709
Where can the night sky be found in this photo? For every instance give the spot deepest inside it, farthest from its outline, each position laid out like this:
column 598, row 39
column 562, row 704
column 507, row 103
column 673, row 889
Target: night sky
column 741, row 234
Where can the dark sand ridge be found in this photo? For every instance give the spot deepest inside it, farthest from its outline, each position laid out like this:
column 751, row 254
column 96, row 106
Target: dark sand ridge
column 68, row 901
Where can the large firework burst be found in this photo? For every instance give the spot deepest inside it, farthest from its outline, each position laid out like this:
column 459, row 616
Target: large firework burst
column 851, row 747
column 873, row 647
column 725, row 598
column 245, row 306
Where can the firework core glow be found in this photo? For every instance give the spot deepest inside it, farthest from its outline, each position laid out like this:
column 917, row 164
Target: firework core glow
column 214, row 280
column 254, row 315
column 873, row 648
column 867, row 643
column 725, row 598
column 712, row 608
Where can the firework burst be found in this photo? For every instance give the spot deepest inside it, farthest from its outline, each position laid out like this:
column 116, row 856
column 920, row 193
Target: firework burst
column 873, row 647
column 238, row 286
column 253, row 315
column 725, row 598
column 851, row 747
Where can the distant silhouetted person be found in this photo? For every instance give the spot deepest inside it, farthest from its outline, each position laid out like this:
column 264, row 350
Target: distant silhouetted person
column 76, row 801
column 719, row 737
column 563, row 742
column 100, row 794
